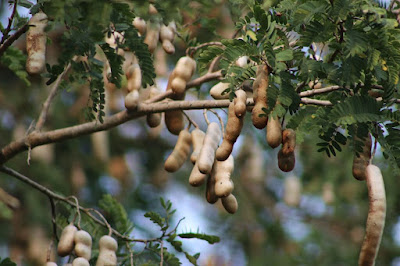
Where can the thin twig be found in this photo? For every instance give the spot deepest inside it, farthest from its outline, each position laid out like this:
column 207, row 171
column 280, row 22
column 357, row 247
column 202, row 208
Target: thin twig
column 10, row 22
column 104, row 220
column 53, row 217
column 78, row 213
column 191, row 50
column 50, row 97
column 12, row 38
column 161, row 253
column 56, row 196
column 220, row 120
column 190, row 120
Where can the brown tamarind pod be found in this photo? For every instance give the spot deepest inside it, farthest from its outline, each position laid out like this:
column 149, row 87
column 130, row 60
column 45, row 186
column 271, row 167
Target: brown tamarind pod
column 230, row 203
column 210, row 190
column 210, row 145
column 361, row 162
column 174, row 119
column 36, row 43
column 196, row 177
column 240, row 103
column 260, row 87
column 197, row 141
column 153, row 120
column 232, row 131
column 66, row 242
column 221, row 172
column 140, row 25
column 274, row 132
column 180, row 153
column 152, row 36
column 217, row 90
column 376, row 216
column 286, row 157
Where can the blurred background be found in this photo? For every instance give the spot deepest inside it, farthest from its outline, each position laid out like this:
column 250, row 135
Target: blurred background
column 314, row 215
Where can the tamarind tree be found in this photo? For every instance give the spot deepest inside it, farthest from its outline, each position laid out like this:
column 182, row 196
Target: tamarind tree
column 86, row 84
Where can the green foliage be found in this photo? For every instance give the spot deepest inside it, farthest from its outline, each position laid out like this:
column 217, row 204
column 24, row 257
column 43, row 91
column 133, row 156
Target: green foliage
column 7, row 262
column 15, row 60
column 116, row 214
column 209, row 238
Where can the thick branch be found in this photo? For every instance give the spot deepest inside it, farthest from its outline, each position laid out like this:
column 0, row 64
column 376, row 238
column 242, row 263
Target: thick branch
column 318, row 91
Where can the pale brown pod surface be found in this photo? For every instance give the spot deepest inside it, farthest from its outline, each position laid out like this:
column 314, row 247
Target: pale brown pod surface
column 260, row 87
column 217, row 90
column 288, row 141
column 80, row 262
column 210, row 190
column 66, row 243
column 197, row 141
column 140, row 25
column 153, row 120
column 240, row 103
column 221, row 172
column 107, row 248
column 230, row 203
column 83, row 244
column 232, row 131
column 152, row 36
column 134, row 77
column 196, row 178
column 180, row 152
column 51, row 263
column 274, row 132
column 210, row 145
column 361, row 162
column 174, row 121
column 36, row 44
column 376, row 216
column 132, row 100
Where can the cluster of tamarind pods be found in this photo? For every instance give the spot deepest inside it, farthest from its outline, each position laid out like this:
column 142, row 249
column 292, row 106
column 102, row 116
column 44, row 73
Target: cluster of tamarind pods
column 80, row 243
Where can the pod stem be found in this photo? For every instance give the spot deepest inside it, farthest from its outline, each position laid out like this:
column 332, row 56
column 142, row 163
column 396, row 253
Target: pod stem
column 191, row 122
column 217, row 115
column 78, row 214
column 104, row 220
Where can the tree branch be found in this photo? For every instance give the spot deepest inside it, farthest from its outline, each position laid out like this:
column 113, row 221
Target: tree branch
column 12, row 38
column 10, row 21
column 318, row 91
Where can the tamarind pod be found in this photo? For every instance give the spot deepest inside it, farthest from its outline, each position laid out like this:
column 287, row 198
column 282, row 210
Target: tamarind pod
column 274, row 132
column 197, row 141
column 210, row 190
column 376, row 216
column 140, row 25
column 66, row 243
column 166, row 34
column 230, row 203
column 151, row 39
column 178, row 85
column 83, row 244
column 196, row 178
column 217, row 90
column 286, row 162
column 242, row 61
column 51, row 263
column 240, row 103
column 36, row 44
column 260, row 87
column 174, row 119
column 292, row 191
column 180, row 153
column 168, row 47
column 232, row 131
column 288, row 141
column 210, row 145
column 153, row 120
column 361, row 162
column 221, row 172
column 107, row 248
column 185, row 68
column 132, row 100
column 80, row 262
column 152, row 10
column 134, row 77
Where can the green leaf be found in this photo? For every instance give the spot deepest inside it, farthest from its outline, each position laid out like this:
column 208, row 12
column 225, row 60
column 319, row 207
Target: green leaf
column 116, row 214
column 209, row 238
column 285, row 55
column 155, row 218
column 7, row 262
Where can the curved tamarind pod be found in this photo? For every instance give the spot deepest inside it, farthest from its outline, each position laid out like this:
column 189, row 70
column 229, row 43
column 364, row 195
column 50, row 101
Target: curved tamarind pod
column 210, row 190
column 288, row 141
column 217, row 90
column 274, row 132
column 134, row 77
column 66, row 243
column 286, row 162
column 242, row 61
column 153, row 120
column 230, row 203
column 174, row 119
column 376, row 216
column 80, row 262
column 180, row 153
column 221, row 172
column 260, row 87
column 232, row 131
column 240, row 103
column 197, row 141
column 140, row 25
column 151, row 39
column 107, row 248
column 210, row 145
column 83, row 244
column 36, row 44
column 196, row 178
column 132, row 100
column 361, row 162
